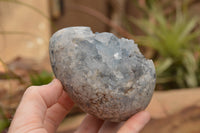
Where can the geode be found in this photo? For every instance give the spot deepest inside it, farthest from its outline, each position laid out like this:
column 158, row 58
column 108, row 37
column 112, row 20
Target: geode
column 105, row 76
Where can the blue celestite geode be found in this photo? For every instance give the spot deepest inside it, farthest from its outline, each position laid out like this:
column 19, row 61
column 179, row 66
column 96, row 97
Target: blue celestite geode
column 107, row 77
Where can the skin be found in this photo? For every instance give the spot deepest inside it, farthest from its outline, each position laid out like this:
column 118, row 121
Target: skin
column 42, row 109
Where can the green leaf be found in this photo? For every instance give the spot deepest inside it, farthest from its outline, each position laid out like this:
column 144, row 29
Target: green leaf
column 163, row 66
column 4, row 123
column 41, row 78
column 187, row 29
column 173, row 39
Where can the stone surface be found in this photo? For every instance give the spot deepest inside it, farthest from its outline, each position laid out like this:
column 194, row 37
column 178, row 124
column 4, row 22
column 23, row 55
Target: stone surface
column 106, row 76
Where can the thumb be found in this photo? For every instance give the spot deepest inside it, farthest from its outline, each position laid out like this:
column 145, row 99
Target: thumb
column 34, row 104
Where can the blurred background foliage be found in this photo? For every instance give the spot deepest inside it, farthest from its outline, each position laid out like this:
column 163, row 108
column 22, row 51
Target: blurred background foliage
column 169, row 31
column 41, row 78
column 4, row 121
column 169, row 34
column 174, row 38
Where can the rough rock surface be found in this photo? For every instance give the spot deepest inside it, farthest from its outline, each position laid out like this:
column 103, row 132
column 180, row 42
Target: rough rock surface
column 106, row 76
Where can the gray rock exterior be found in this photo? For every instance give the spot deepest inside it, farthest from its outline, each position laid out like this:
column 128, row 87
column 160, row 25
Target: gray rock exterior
column 107, row 77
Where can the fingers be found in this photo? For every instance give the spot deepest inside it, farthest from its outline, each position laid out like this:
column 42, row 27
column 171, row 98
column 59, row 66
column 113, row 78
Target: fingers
column 110, row 127
column 34, row 104
column 39, row 98
column 135, row 123
column 93, row 125
column 51, row 92
column 90, row 125
column 57, row 112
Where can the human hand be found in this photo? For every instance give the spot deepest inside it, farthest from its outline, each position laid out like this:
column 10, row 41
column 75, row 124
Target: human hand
column 42, row 108
column 133, row 125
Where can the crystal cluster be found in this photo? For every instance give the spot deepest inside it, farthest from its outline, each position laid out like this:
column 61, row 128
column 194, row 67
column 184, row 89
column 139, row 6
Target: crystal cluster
column 106, row 76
